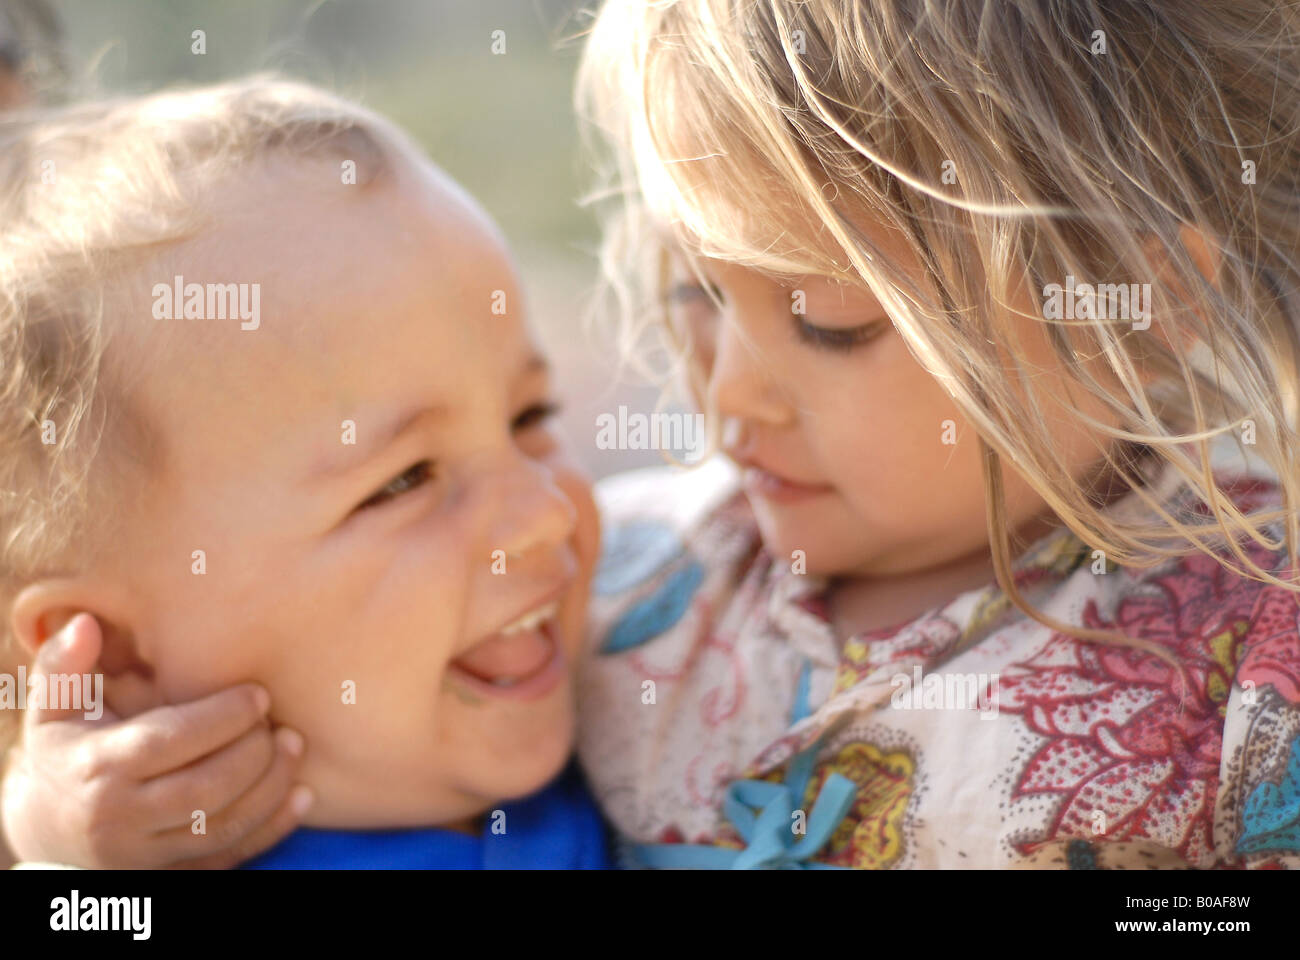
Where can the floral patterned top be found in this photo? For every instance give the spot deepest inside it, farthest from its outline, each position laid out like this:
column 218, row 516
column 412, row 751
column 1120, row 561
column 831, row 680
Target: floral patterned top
column 723, row 724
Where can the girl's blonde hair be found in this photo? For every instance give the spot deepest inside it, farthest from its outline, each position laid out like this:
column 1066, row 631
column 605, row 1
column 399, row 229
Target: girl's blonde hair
column 1085, row 138
column 87, row 194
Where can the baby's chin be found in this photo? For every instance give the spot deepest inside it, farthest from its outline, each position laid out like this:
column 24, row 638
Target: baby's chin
column 435, row 791
column 520, row 769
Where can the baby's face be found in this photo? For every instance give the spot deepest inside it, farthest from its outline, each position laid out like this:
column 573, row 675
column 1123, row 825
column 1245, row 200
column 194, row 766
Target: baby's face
column 394, row 539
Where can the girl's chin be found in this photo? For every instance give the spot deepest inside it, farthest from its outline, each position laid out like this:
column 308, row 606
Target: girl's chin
column 806, row 555
column 787, row 540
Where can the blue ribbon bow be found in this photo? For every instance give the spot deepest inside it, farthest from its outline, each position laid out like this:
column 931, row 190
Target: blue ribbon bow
column 762, row 812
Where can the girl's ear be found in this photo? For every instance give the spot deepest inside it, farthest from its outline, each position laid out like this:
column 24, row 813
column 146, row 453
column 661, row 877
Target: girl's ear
column 1207, row 258
column 1204, row 254
column 1202, row 250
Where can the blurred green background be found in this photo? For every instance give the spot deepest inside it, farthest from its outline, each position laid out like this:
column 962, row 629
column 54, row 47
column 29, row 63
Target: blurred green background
column 501, row 124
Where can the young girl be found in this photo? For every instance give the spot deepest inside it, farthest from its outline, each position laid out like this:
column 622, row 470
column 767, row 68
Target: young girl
column 983, row 298
column 994, row 310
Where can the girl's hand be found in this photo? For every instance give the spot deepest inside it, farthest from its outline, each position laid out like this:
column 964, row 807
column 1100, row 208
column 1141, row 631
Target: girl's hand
column 117, row 792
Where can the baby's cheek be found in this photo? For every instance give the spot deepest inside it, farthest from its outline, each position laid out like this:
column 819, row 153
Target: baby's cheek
column 199, row 638
column 586, row 537
column 419, row 598
column 586, row 545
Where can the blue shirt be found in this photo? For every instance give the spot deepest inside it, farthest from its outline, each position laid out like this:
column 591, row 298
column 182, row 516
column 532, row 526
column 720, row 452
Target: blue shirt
column 558, row 828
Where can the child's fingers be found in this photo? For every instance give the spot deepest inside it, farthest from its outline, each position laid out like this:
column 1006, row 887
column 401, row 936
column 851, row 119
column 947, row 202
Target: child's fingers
column 215, row 782
column 256, row 821
column 168, row 738
column 129, row 694
column 73, row 650
column 286, row 819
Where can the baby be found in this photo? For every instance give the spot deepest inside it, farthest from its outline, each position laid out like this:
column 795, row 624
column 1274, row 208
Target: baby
column 271, row 413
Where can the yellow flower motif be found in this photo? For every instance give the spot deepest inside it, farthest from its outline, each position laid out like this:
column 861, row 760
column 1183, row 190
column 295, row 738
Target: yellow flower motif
column 992, row 605
column 871, row 835
column 1226, row 650
column 855, row 651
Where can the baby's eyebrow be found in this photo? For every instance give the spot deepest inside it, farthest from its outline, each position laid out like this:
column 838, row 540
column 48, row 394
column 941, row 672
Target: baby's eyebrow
column 364, row 439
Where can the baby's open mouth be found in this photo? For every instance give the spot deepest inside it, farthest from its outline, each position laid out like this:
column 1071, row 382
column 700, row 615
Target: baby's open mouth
column 521, row 661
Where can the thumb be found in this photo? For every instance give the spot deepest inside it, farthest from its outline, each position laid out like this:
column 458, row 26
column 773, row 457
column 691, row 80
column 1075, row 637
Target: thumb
column 74, row 649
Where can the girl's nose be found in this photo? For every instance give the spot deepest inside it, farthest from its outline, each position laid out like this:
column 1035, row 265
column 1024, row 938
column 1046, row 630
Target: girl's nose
column 742, row 382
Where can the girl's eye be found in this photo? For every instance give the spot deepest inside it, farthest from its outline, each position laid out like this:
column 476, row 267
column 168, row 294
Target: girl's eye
column 416, row 475
column 533, row 416
column 688, row 292
column 839, row 340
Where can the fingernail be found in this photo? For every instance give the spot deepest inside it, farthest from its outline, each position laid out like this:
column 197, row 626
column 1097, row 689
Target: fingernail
column 300, row 800
column 262, row 699
column 290, row 741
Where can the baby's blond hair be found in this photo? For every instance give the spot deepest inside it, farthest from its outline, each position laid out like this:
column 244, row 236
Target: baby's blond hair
column 87, row 193
column 1085, row 138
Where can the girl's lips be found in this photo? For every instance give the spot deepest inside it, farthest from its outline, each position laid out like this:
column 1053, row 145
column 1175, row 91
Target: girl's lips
column 537, row 666
column 769, row 486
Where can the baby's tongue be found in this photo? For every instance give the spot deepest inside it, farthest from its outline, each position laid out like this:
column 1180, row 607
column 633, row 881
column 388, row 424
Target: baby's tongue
column 502, row 656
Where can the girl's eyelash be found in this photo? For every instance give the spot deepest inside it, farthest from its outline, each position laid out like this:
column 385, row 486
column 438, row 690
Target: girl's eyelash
column 842, row 341
column 687, row 291
column 533, row 415
column 824, row 338
column 416, row 475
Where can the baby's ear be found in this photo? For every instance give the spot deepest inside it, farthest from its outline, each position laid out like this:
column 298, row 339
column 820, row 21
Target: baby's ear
column 43, row 608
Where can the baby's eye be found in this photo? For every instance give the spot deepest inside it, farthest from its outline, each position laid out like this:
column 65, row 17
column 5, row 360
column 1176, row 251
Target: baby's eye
column 416, row 475
column 533, row 416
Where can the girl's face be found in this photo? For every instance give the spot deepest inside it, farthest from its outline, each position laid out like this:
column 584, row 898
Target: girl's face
column 394, row 540
column 840, row 431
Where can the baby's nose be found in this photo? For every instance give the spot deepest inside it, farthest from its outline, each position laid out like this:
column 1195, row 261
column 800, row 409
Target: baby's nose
column 531, row 511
